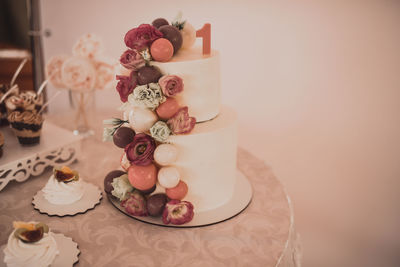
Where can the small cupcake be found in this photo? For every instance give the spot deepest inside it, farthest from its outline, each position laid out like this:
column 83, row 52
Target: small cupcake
column 27, row 126
column 1, row 144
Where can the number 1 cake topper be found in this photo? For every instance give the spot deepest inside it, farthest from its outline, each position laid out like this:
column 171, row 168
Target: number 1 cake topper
column 205, row 34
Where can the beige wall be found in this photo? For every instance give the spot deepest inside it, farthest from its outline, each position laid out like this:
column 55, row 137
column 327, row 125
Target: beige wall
column 317, row 88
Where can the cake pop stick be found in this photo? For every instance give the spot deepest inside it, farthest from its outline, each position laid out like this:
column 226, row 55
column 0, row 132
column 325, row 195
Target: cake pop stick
column 44, row 83
column 14, row 87
column 48, row 102
column 21, row 65
column 11, row 90
column 42, row 86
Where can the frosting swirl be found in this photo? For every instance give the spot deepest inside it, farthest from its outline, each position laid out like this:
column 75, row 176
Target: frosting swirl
column 41, row 253
column 61, row 193
column 27, row 116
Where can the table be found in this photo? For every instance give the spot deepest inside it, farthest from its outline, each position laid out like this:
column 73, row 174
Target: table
column 262, row 235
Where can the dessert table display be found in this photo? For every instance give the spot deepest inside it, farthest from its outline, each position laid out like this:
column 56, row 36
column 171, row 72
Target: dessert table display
column 262, row 235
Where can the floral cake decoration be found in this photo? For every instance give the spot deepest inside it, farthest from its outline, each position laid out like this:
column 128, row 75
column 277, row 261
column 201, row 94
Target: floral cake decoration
column 151, row 113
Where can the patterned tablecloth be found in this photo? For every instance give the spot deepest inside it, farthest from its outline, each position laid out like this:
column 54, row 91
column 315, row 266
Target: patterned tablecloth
column 262, row 235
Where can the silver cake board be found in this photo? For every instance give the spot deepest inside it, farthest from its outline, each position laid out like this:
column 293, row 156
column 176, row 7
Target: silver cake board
column 241, row 198
column 57, row 146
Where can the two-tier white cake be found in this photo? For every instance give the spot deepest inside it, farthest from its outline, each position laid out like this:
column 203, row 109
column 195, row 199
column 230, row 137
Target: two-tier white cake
column 179, row 143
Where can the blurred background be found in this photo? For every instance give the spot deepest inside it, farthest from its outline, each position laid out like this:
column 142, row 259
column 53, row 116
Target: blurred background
column 316, row 85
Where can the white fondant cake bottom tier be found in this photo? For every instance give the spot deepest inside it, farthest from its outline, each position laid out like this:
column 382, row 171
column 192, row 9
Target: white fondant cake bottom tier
column 207, row 160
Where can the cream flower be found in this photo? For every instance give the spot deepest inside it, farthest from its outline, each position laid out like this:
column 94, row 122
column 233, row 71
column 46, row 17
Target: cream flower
column 78, row 74
column 160, row 131
column 88, row 45
column 148, row 95
column 121, row 187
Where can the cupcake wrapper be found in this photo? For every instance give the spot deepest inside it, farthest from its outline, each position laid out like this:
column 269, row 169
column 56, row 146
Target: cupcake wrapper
column 3, row 122
column 28, row 134
column 3, row 110
column 29, row 140
column 20, row 126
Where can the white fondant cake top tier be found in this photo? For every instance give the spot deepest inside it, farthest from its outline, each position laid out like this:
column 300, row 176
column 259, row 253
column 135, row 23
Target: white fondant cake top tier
column 201, row 77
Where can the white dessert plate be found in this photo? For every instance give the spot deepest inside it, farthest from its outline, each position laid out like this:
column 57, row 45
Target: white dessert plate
column 66, row 246
column 91, row 197
column 240, row 200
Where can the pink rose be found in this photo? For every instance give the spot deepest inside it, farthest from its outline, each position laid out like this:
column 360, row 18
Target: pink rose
column 171, row 85
column 142, row 36
column 181, row 123
column 131, row 59
column 126, row 85
column 178, row 212
column 135, row 204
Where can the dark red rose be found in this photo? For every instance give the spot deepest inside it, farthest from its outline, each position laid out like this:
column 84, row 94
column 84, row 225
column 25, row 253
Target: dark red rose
column 126, row 85
column 140, row 152
column 141, row 37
